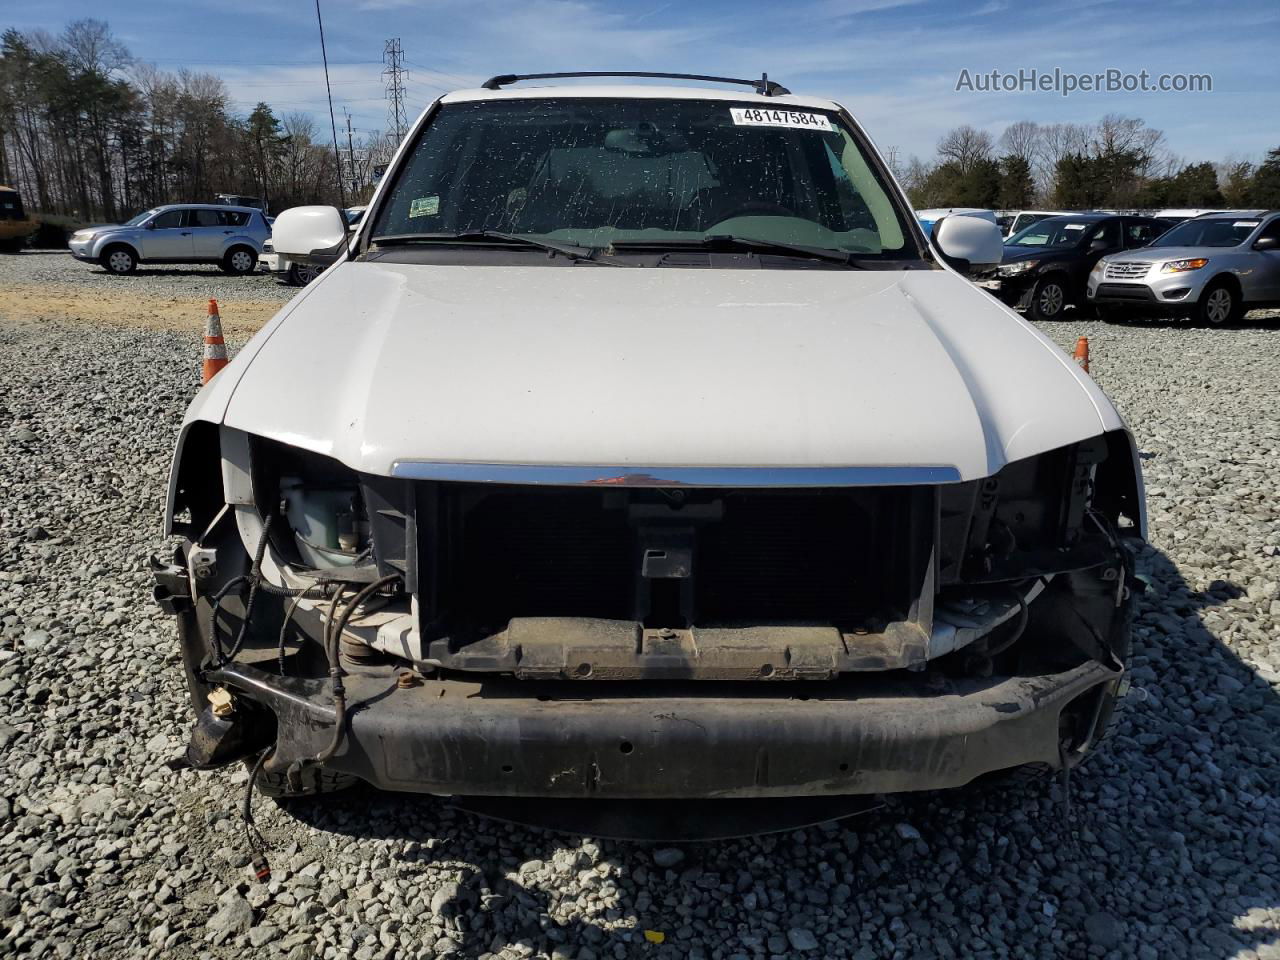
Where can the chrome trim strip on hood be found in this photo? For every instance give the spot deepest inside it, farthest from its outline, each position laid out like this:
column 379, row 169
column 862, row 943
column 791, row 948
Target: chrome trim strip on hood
column 521, row 474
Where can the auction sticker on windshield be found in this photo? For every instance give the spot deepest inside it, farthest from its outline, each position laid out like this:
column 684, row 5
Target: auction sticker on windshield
column 424, row 207
column 771, row 117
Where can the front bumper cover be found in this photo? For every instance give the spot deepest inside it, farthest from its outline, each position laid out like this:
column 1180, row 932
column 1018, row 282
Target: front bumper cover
column 1155, row 291
column 658, row 741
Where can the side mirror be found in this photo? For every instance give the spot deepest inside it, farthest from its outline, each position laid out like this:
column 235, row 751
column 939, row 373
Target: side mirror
column 1266, row 243
column 1097, row 245
column 302, row 233
column 151, row 224
column 964, row 242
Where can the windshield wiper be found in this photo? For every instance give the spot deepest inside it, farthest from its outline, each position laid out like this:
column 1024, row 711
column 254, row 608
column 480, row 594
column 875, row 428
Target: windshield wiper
column 572, row 251
column 727, row 241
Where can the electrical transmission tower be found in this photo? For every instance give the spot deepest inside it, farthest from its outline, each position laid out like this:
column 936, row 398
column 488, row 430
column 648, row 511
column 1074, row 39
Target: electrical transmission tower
column 891, row 158
column 355, row 164
column 395, row 76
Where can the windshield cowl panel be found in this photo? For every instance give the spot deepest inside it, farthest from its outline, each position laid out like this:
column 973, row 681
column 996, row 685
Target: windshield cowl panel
column 597, row 175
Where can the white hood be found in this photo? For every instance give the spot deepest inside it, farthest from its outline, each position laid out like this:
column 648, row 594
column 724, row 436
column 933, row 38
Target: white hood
column 597, row 365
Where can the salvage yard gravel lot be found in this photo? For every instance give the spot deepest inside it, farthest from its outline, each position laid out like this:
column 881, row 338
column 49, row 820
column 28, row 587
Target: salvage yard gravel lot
column 1169, row 846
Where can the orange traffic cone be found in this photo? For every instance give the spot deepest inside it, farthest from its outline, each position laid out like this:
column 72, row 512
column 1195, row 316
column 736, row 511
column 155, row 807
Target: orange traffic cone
column 1081, row 355
column 215, row 349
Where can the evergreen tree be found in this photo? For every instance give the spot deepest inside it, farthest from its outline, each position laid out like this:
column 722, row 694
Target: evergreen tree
column 1265, row 189
column 1017, row 187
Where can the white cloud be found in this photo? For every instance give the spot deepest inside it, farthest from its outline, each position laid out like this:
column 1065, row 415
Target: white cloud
column 849, row 8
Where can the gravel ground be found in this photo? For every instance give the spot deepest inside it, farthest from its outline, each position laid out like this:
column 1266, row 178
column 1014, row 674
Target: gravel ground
column 1169, row 847
column 48, row 284
column 195, row 280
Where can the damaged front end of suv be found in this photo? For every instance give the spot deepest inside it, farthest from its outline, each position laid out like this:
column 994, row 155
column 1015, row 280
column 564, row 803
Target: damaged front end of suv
column 639, row 449
column 632, row 636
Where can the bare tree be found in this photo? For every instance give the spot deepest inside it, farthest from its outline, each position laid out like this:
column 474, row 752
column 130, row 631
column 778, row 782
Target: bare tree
column 965, row 146
column 1059, row 139
column 1021, row 139
column 90, row 48
column 914, row 174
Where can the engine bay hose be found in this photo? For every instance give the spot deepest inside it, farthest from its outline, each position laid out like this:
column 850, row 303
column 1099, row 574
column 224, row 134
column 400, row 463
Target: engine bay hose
column 333, row 635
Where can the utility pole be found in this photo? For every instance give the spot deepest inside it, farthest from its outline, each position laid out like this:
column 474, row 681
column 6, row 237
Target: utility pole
column 351, row 153
column 395, row 75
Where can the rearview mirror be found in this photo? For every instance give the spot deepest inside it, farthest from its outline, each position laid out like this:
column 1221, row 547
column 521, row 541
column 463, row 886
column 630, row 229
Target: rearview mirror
column 303, row 233
column 1266, row 243
column 968, row 241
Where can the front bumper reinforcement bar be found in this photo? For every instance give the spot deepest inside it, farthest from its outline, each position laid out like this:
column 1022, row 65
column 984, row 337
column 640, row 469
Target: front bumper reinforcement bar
column 516, row 738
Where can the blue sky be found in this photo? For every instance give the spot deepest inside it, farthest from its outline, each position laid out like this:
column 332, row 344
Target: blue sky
column 894, row 63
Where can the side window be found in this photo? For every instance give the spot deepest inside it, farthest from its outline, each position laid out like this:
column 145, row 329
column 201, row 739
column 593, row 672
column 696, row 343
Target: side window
column 1139, row 234
column 232, row 218
column 1271, row 230
column 1109, row 232
column 169, row 219
column 206, row 218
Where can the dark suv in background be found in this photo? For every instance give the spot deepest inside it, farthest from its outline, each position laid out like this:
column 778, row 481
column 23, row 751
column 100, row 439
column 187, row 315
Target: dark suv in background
column 1047, row 264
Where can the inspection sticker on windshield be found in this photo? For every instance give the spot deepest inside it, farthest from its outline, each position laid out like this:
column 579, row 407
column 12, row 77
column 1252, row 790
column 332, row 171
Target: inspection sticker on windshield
column 770, row 117
column 424, row 207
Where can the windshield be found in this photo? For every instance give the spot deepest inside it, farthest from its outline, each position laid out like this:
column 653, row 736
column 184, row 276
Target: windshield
column 138, row 218
column 1057, row 232
column 1025, row 220
column 1219, row 232
column 594, row 172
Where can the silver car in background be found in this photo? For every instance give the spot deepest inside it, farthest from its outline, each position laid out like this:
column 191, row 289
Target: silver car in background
column 231, row 237
column 1213, row 268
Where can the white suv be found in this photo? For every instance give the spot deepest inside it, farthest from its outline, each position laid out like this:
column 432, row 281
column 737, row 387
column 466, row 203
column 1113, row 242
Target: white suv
column 640, row 446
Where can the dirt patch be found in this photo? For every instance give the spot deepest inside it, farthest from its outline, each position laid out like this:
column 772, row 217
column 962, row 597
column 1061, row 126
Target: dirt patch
column 134, row 309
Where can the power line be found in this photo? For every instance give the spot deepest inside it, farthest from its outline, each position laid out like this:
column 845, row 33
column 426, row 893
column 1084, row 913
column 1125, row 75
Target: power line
column 293, row 83
column 451, row 77
column 395, row 75
column 333, row 124
column 261, row 63
column 304, row 103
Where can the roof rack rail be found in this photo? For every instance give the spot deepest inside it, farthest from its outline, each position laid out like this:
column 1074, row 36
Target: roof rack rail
column 764, row 86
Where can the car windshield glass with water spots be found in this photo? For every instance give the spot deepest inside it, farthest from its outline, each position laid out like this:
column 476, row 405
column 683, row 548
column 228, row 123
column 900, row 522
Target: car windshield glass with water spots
column 1218, row 232
column 592, row 172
